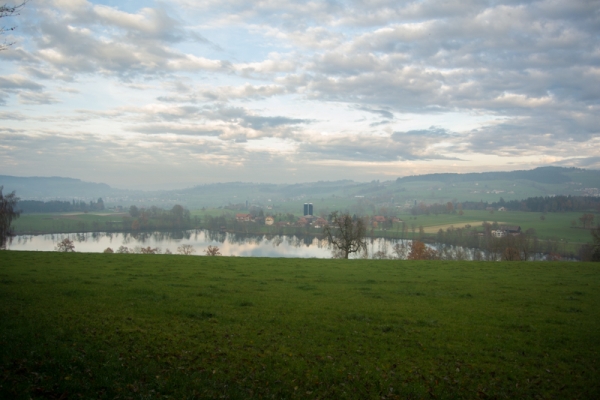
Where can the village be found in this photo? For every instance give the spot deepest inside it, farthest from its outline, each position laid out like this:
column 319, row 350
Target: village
column 375, row 222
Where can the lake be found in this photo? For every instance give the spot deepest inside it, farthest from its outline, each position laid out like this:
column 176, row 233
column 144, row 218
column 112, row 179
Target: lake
column 230, row 244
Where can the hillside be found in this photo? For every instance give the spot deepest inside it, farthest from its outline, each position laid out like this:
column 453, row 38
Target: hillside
column 327, row 195
column 551, row 175
column 156, row 326
column 37, row 187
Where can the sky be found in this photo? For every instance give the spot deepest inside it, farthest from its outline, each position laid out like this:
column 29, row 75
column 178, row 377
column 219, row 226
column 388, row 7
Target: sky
column 174, row 93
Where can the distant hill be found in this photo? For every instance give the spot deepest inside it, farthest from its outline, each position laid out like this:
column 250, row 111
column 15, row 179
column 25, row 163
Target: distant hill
column 360, row 197
column 52, row 187
column 542, row 175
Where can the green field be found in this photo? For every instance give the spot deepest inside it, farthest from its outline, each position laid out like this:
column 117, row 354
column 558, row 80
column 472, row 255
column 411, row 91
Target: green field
column 155, row 326
column 554, row 225
column 35, row 223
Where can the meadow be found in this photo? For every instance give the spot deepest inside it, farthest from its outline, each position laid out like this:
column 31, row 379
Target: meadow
column 158, row 326
column 553, row 225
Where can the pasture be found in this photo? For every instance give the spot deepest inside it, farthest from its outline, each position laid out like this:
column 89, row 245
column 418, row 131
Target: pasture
column 553, row 225
column 158, row 326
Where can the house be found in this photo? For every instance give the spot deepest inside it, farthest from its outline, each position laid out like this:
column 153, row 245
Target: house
column 379, row 218
column 269, row 221
column 321, row 221
column 498, row 233
column 511, row 229
column 243, row 217
column 502, row 209
column 302, row 221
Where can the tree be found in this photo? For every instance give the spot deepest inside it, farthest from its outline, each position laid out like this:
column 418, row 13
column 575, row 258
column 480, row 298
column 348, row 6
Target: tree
column 419, row 251
column 587, row 220
column 8, row 213
column 596, row 244
column 212, row 251
column 150, row 250
column 8, row 11
column 134, row 211
column 123, row 250
column 345, row 234
column 511, row 254
column 108, row 250
column 186, row 249
column 66, row 246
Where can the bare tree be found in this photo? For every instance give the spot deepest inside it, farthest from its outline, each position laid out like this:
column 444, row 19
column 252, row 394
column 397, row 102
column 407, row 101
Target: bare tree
column 511, row 254
column 9, row 11
column 587, row 220
column 123, row 250
column 8, row 213
column 400, row 250
column 66, row 246
column 186, row 249
column 150, row 250
column 212, row 251
column 595, row 244
column 345, row 234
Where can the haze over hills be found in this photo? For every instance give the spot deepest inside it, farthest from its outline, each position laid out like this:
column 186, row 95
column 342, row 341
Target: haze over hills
column 430, row 188
column 552, row 175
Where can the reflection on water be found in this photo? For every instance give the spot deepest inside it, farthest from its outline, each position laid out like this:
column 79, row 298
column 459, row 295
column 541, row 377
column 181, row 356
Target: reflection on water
column 230, row 244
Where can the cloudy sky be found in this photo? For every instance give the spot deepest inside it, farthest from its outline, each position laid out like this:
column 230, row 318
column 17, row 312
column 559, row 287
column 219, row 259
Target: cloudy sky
column 174, row 93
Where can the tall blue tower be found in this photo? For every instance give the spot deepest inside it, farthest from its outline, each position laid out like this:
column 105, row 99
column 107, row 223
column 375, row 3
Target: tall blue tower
column 308, row 209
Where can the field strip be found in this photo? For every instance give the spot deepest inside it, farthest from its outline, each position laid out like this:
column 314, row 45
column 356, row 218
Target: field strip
column 77, row 213
column 435, row 228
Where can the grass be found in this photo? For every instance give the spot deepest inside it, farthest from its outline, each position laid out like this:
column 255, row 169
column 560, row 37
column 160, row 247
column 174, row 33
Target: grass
column 150, row 326
column 35, row 223
column 555, row 225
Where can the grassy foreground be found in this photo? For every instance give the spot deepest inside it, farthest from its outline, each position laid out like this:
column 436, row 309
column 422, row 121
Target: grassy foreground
column 158, row 326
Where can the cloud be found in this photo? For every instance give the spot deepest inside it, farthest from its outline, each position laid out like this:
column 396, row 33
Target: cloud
column 36, row 98
column 80, row 37
column 411, row 145
column 223, row 94
column 228, row 123
column 371, row 82
column 13, row 82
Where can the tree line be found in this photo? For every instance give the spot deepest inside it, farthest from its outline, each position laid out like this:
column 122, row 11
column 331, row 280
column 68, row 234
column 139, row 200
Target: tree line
column 531, row 204
column 36, row 206
column 541, row 204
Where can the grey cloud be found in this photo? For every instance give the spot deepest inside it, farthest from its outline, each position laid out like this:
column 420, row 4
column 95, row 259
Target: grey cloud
column 583, row 162
column 560, row 134
column 383, row 113
column 36, row 98
column 229, row 123
column 414, row 145
column 100, row 39
column 409, row 89
column 193, row 130
column 14, row 82
column 433, row 133
column 259, row 122
column 11, row 115
column 379, row 123
column 224, row 94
